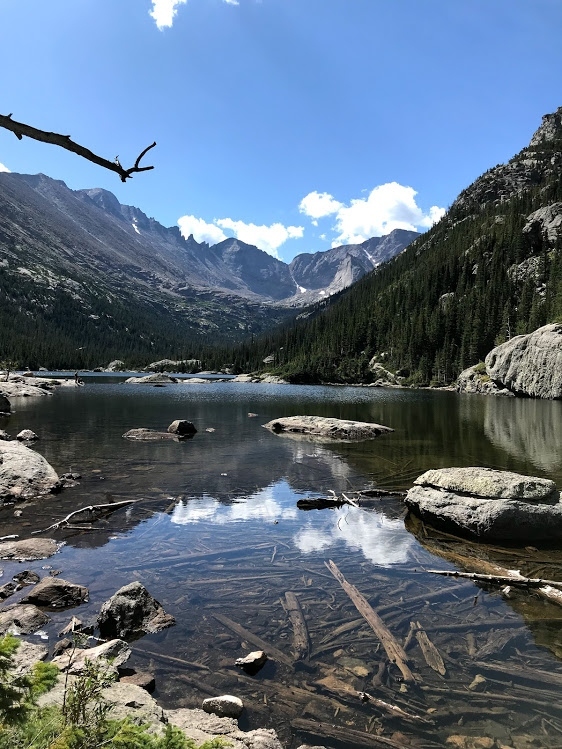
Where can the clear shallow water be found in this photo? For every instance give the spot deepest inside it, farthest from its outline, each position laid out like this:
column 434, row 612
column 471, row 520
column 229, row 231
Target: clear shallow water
column 217, row 532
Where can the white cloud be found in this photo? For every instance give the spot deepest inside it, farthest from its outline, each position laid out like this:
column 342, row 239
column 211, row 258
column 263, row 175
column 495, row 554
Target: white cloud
column 316, row 205
column 3, row 168
column 387, row 207
column 267, row 238
column 201, row 230
column 163, row 11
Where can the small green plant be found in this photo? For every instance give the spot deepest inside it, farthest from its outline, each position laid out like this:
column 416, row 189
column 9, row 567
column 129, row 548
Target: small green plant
column 19, row 692
column 82, row 722
column 480, row 368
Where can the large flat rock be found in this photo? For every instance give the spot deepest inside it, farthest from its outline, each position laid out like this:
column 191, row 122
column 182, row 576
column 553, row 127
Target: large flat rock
column 491, row 505
column 24, row 474
column 325, row 428
column 486, row 482
column 28, row 549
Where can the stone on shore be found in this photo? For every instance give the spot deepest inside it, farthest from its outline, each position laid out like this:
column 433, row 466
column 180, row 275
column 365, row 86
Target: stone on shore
column 24, row 474
column 22, row 619
column 115, row 652
column 131, row 613
column 56, row 593
column 28, row 549
column 326, row 428
column 490, row 505
column 26, row 435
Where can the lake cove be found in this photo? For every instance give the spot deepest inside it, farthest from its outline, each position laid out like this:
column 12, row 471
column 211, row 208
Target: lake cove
column 218, row 540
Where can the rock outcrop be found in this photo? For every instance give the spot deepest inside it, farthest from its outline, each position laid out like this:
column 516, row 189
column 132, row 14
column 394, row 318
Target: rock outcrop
column 131, row 613
column 22, row 619
column 491, row 505
column 529, row 364
column 28, row 549
column 476, row 380
column 152, row 379
column 24, row 474
column 326, row 428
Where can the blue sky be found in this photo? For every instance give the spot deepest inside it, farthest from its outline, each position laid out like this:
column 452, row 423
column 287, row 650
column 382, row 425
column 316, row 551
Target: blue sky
column 293, row 124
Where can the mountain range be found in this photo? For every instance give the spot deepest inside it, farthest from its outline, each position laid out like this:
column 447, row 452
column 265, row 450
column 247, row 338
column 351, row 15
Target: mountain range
column 88, row 270
column 490, row 269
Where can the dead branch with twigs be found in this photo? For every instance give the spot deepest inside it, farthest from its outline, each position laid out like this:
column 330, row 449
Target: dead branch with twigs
column 91, row 511
column 64, row 141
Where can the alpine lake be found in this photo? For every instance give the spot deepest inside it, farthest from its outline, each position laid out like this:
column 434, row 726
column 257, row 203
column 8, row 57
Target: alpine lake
column 217, row 538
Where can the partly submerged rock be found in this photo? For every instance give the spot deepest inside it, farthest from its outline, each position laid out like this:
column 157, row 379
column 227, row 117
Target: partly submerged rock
column 21, row 618
column 24, row 474
column 225, row 706
column 491, row 505
column 56, row 593
column 28, row 549
column 5, row 405
column 201, row 726
column 153, row 379
column 151, row 435
column 331, row 429
column 182, row 428
column 529, row 364
column 131, row 613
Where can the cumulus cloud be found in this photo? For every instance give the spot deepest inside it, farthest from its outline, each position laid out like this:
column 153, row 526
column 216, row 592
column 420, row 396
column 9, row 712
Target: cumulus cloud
column 387, row 207
column 317, row 205
column 164, row 11
column 267, row 238
column 201, row 230
column 3, row 168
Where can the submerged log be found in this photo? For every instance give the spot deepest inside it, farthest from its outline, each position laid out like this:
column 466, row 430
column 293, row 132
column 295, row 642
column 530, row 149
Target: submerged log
column 430, row 653
column 301, row 639
column 393, row 648
column 271, row 650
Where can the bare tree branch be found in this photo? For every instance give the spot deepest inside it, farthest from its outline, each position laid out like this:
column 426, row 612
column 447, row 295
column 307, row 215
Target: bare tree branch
column 20, row 129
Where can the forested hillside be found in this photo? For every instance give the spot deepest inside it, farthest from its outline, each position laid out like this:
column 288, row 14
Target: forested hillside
column 490, row 269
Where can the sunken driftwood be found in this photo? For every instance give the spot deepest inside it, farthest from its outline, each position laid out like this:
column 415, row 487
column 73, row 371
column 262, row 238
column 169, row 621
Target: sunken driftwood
column 20, row 129
column 430, row 653
column 89, row 513
column 393, row 648
column 301, row 639
column 271, row 651
column 323, row 503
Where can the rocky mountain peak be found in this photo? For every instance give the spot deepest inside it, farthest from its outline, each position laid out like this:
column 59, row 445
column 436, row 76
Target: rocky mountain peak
column 549, row 130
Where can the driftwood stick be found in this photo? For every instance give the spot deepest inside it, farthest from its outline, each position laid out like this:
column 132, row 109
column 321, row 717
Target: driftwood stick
column 271, row 651
column 393, row 648
column 171, row 659
column 92, row 510
column 20, row 129
column 496, row 575
column 301, row 639
column 349, row 736
column 392, row 710
column 513, row 578
column 430, row 653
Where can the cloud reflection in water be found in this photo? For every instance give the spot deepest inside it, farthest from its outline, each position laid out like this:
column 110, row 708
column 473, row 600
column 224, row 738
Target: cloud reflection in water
column 381, row 540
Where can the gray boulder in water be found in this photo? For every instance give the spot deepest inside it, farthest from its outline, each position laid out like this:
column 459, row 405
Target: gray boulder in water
column 131, row 613
column 319, row 427
column 24, row 474
column 491, row 505
column 529, row 364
